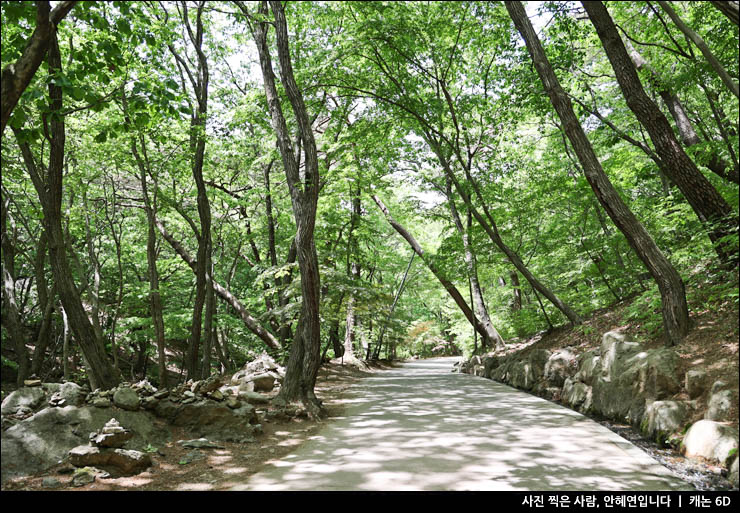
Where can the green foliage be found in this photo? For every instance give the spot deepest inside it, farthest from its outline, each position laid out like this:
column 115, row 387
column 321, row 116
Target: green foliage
column 372, row 76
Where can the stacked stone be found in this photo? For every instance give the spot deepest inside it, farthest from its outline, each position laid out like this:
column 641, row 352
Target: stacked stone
column 106, row 450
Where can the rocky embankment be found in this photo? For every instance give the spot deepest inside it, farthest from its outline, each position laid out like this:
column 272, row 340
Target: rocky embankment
column 44, row 424
column 625, row 382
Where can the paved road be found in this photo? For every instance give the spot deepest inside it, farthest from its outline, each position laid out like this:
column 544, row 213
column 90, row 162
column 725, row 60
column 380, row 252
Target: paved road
column 421, row 427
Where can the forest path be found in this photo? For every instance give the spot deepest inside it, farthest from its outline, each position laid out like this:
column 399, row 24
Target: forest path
column 422, row 427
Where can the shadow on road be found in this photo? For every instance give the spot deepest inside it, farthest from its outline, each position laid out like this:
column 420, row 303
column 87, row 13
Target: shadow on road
column 421, row 427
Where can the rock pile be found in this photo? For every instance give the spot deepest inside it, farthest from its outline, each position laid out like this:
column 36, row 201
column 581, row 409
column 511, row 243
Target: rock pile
column 61, row 415
column 105, row 451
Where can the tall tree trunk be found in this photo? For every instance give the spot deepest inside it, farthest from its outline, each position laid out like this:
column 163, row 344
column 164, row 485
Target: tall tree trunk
column 204, row 289
column 491, row 338
column 353, row 270
column 304, row 198
column 447, row 284
column 516, row 302
column 50, row 195
column 675, row 310
column 488, row 224
column 155, row 300
column 711, row 208
column 686, row 131
column 379, row 345
column 95, row 263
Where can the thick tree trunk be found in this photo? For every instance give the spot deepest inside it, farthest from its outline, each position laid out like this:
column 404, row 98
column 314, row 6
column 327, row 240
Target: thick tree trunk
column 730, row 9
column 675, row 310
column 17, row 76
column 686, row 131
column 50, row 195
column 711, row 208
column 304, row 197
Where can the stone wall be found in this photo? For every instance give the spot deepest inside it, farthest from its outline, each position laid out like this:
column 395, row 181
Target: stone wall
column 625, row 382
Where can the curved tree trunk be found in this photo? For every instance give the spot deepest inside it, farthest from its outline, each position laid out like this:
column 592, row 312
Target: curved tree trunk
column 17, row 76
column 447, row 284
column 304, row 197
column 11, row 315
column 50, row 193
column 699, row 42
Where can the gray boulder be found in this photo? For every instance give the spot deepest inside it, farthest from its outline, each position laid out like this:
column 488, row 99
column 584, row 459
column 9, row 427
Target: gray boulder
column 87, row 455
column 589, row 364
column 113, row 435
column 24, row 400
column 631, row 377
column 126, row 398
column 711, row 440
column 43, row 440
column 615, row 350
column 696, row 382
column 733, row 476
column 215, row 421
column 577, row 395
column 264, row 382
column 117, row 461
column 663, row 418
column 523, row 375
column 64, row 394
column 560, row 365
column 720, row 405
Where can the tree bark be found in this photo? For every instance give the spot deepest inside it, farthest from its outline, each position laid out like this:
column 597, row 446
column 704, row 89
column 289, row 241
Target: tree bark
column 675, row 310
column 686, row 131
column 204, row 290
column 11, row 317
column 447, row 284
column 155, row 300
column 17, row 76
column 353, row 270
column 50, row 194
column 489, row 226
column 711, row 208
column 304, row 198
column 729, row 9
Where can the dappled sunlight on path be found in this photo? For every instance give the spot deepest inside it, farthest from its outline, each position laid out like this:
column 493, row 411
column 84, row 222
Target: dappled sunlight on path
column 421, row 427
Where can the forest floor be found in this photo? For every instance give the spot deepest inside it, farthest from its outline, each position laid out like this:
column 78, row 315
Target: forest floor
column 181, row 469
